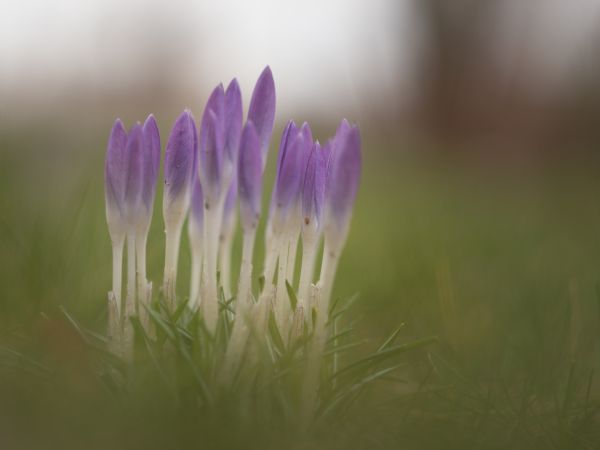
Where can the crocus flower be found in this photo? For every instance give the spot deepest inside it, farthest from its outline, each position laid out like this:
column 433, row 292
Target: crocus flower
column 135, row 173
column 180, row 161
column 151, row 164
column 180, row 157
column 250, row 177
column 115, row 181
column 290, row 172
column 228, row 224
column 196, row 237
column 313, row 197
column 150, row 167
column 262, row 110
column 342, row 183
column 219, row 141
column 233, row 121
column 313, row 190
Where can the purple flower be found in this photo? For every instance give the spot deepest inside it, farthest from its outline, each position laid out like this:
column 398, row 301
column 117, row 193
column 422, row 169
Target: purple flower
column 115, row 173
column 290, row 171
column 135, row 172
column 180, row 158
column 250, row 176
column 313, row 191
column 233, row 120
column 262, row 110
column 212, row 145
column 343, row 175
column 151, row 162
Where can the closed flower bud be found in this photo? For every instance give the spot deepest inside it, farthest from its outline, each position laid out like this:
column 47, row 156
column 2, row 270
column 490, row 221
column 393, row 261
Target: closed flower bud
column 151, row 165
column 250, row 177
column 180, row 158
column 343, row 177
column 115, row 179
column 262, row 110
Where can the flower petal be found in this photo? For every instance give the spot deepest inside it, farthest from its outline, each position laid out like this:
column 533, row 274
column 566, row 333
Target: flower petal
column 250, row 176
column 262, row 109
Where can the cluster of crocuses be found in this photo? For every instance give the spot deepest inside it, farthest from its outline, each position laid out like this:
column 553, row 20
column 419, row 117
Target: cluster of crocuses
column 206, row 175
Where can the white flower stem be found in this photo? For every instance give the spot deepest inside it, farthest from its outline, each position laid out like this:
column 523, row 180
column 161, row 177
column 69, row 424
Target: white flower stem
column 320, row 298
column 259, row 314
column 291, row 262
column 225, row 244
column 196, row 238
column 210, row 298
column 307, row 270
column 241, row 328
column 195, row 276
column 117, row 276
column 140, row 244
column 131, row 274
column 313, row 362
column 130, row 300
column 173, row 237
column 114, row 297
column 144, row 287
column 271, row 252
column 245, row 279
column 327, row 276
column 282, row 305
column 114, row 325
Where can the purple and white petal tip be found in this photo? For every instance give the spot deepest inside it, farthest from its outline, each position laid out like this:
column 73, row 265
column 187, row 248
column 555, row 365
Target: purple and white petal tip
column 211, row 155
column 115, row 168
column 262, row 108
column 135, row 172
column 151, row 161
column 233, row 120
column 250, row 176
column 180, row 156
column 344, row 172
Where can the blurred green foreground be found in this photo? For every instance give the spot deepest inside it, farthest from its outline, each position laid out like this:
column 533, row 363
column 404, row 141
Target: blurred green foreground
column 501, row 263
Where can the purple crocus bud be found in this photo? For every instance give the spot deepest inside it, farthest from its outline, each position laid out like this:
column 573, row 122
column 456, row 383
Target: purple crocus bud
column 115, row 178
column 289, row 176
column 180, row 158
column 135, row 173
column 307, row 150
column 342, row 180
column 233, row 122
column 262, row 110
column 151, row 162
column 289, row 130
column 212, row 146
column 250, row 177
column 313, row 191
column 211, row 156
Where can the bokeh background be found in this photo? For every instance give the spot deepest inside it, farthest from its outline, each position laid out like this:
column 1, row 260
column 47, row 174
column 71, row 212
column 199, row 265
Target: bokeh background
column 478, row 217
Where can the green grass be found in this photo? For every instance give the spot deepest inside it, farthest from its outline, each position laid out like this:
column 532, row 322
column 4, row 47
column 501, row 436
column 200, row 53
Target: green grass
column 501, row 264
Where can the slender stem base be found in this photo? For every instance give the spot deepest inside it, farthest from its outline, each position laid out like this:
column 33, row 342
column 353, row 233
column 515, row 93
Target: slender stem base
column 173, row 237
column 130, row 300
column 309, row 253
column 243, row 314
column 282, row 304
column 210, row 296
column 320, row 298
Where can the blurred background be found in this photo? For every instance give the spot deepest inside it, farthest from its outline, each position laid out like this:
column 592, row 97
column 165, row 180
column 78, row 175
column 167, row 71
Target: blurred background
column 478, row 218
